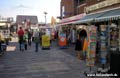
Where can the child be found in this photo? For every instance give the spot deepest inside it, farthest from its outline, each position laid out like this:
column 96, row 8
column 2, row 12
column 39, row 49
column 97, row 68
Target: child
column 25, row 37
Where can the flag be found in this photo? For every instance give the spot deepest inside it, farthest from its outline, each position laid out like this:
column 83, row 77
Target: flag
column 53, row 21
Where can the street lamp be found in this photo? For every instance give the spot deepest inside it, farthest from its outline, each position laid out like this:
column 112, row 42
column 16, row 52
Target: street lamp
column 45, row 17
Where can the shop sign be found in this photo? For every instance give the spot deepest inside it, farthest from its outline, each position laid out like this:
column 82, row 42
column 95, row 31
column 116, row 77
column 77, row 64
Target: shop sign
column 45, row 41
column 3, row 24
column 62, row 39
column 101, row 5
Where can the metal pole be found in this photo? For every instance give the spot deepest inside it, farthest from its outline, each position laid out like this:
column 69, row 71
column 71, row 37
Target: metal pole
column 45, row 17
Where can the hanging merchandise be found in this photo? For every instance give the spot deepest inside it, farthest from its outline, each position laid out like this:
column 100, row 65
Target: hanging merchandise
column 91, row 49
column 114, row 37
column 73, row 35
column 103, row 43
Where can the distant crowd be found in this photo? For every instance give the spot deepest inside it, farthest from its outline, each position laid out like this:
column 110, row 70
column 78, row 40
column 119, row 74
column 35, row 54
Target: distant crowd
column 25, row 38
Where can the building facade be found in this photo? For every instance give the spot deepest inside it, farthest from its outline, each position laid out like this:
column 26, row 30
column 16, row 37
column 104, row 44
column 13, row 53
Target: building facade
column 67, row 8
column 72, row 8
column 5, row 24
column 104, row 15
column 75, row 7
column 26, row 21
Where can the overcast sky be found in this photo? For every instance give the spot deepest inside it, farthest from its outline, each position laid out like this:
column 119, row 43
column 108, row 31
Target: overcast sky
column 12, row 8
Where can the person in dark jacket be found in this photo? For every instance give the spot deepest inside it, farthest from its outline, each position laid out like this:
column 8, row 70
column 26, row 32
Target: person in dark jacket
column 36, row 40
column 83, row 35
column 29, row 37
column 78, row 47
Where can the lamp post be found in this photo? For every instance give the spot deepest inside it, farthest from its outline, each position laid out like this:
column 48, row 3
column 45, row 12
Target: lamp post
column 45, row 17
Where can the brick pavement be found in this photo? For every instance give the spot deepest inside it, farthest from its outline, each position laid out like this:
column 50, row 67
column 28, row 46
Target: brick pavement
column 53, row 63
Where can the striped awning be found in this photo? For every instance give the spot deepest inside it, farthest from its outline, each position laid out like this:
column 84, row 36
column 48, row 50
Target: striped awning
column 71, row 20
column 109, row 15
column 99, row 17
column 89, row 18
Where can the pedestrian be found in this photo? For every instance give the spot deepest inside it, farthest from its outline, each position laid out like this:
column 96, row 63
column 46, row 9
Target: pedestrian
column 83, row 36
column 20, row 37
column 29, row 37
column 40, row 35
column 78, row 47
column 25, row 38
column 36, row 40
column 0, row 44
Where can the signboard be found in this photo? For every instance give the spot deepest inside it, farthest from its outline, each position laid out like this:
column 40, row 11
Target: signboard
column 101, row 5
column 3, row 24
column 62, row 40
column 45, row 41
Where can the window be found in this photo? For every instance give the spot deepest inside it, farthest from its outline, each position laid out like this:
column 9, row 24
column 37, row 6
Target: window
column 81, row 1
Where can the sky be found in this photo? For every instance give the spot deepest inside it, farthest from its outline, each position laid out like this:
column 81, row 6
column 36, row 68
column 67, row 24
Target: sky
column 11, row 8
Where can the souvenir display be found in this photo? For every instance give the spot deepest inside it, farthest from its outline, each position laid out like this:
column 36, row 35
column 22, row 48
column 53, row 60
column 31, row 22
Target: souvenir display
column 114, row 38
column 91, row 49
column 103, row 43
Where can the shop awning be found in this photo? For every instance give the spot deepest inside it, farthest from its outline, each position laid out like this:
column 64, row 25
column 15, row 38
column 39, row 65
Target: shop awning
column 109, row 15
column 102, row 16
column 89, row 18
column 71, row 20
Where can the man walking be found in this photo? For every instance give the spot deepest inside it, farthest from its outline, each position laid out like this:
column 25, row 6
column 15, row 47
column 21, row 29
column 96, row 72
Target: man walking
column 36, row 40
column 29, row 37
column 20, row 37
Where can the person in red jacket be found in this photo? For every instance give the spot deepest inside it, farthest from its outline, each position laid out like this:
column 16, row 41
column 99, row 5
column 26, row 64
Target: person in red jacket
column 20, row 37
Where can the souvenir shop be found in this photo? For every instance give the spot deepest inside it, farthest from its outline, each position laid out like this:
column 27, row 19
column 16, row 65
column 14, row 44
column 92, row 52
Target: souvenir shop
column 104, row 38
column 66, row 25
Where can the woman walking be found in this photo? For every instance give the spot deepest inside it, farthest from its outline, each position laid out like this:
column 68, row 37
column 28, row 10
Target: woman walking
column 78, row 47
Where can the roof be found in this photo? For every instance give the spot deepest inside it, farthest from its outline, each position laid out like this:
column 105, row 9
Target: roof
column 22, row 18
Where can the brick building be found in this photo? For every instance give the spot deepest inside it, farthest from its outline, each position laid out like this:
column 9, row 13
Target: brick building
column 105, row 16
column 75, row 7
column 67, row 8
column 72, row 7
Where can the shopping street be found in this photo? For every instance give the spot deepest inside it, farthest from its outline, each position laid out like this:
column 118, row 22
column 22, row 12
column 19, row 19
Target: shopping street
column 53, row 63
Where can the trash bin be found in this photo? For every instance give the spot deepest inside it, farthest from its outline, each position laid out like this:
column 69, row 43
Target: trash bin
column 115, row 63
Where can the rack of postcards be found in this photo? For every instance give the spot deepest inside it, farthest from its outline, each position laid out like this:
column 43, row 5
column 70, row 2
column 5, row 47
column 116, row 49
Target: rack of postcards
column 103, row 43
column 114, row 37
column 91, row 52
